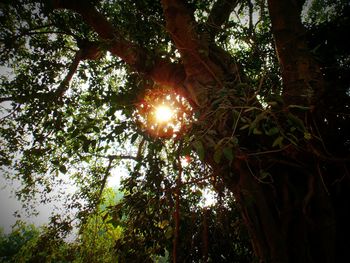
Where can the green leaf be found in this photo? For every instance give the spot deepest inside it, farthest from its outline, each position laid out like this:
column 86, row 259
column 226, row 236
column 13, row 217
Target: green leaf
column 264, row 175
column 163, row 224
column 86, row 146
column 55, row 162
column 63, row 169
column 198, row 145
column 244, row 127
column 96, row 129
column 217, row 155
column 278, row 142
column 75, row 133
column 272, row 103
column 272, row 131
column 168, row 232
column 228, row 153
column 134, row 137
column 257, row 131
column 297, row 122
column 307, row 136
column 186, row 150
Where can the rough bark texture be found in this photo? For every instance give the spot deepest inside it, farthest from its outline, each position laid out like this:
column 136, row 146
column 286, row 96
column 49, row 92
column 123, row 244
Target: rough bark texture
column 302, row 77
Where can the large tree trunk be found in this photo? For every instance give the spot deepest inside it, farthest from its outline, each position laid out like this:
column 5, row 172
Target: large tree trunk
column 300, row 213
column 290, row 218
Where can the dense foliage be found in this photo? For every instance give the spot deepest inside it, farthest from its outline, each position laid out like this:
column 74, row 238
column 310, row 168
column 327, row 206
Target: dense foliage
column 70, row 99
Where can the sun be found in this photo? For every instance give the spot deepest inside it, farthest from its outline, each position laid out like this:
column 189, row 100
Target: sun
column 163, row 113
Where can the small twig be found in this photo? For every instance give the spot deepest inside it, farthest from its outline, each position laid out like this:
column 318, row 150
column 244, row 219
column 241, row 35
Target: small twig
column 104, row 181
column 320, row 174
column 236, row 124
column 177, row 210
column 270, row 151
column 8, row 115
column 118, row 157
column 256, row 177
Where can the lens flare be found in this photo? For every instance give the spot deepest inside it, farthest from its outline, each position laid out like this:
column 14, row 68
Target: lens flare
column 163, row 113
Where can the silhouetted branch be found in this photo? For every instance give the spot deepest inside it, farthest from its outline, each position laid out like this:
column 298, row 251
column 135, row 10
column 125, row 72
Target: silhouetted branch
column 161, row 70
column 219, row 15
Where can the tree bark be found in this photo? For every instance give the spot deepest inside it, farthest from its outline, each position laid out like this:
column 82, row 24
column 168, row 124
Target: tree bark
column 290, row 219
column 302, row 78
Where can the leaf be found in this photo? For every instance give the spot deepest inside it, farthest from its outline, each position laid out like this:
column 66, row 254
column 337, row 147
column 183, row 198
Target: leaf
column 228, row 153
column 257, row 131
column 86, row 146
column 198, row 145
column 217, row 155
column 75, row 133
column 168, row 232
column 272, row 103
column 244, row 127
column 186, row 151
column 256, row 122
column 307, row 136
column 163, row 224
column 96, row 129
column 63, row 169
column 278, row 142
column 134, row 137
column 55, row 162
column 264, row 175
column 297, row 122
column 272, row 131
column 249, row 109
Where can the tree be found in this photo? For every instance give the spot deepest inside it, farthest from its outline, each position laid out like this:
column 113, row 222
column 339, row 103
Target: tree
column 12, row 243
column 269, row 96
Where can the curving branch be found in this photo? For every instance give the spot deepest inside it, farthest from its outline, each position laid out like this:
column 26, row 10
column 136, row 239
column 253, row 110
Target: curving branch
column 181, row 25
column 219, row 15
column 63, row 87
column 302, row 77
column 88, row 50
column 158, row 69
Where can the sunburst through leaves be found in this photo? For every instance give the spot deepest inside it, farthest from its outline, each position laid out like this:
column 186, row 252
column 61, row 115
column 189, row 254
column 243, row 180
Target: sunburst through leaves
column 164, row 113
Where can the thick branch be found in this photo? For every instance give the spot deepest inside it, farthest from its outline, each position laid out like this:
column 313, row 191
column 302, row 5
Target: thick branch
column 62, row 88
column 181, row 25
column 301, row 74
column 4, row 99
column 104, row 180
column 88, row 50
column 160, row 70
column 219, row 15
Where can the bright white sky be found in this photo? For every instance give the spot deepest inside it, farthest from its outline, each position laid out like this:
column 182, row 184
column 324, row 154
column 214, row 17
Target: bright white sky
column 9, row 204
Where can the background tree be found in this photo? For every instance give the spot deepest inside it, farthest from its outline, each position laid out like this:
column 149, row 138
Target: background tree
column 11, row 244
column 266, row 121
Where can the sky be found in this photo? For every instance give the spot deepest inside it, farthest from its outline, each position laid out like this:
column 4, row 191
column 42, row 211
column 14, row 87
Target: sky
column 9, row 203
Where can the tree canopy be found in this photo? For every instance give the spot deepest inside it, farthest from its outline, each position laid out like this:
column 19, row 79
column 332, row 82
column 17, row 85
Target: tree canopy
column 258, row 109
